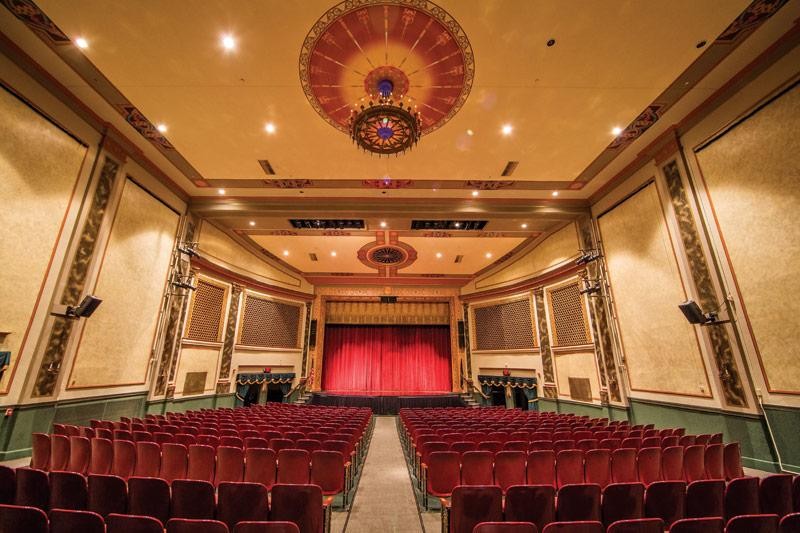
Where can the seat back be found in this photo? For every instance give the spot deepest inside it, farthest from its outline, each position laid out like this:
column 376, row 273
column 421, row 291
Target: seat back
column 648, row 465
column 260, row 466
column 123, row 523
column 327, row 471
column 622, row 501
column 637, row 525
column 148, row 459
column 509, row 469
column 569, row 467
column 665, row 500
column 732, row 459
column 266, row 527
column 300, row 504
column 444, row 473
column 68, row 491
column 40, row 451
column 541, row 468
column 672, row 463
column 148, row 496
column 597, row 467
column 759, row 523
column 66, row 521
column 174, row 461
column 775, row 494
column 714, row 462
column 741, row 497
column 474, row 504
column 790, row 523
column 477, row 468
column 201, row 463
column 575, row 527
column 698, row 525
column 187, row 525
column 505, row 527
column 59, row 452
column 33, row 488
column 192, row 498
column 623, row 466
column 107, row 494
column 705, row 498
column 230, row 465
column 15, row 518
column 8, row 484
column 124, row 461
column 694, row 467
column 294, row 466
column 241, row 501
column 101, row 456
column 580, row 502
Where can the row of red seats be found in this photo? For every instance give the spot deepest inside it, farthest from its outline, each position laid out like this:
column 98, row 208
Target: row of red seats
column 302, row 505
column 441, row 471
column 668, row 501
column 741, row 524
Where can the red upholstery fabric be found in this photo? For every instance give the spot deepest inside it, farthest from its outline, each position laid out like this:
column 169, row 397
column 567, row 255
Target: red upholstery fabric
column 569, row 467
column 741, row 497
column 639, row 525
column 230, row 465
column 648, row 465
column 477, row 468
column 694, row 467
column 714, row 462
column 622, row 501
column 40, row 451
column 541, row 469
column 531, row 503
column 148, row 459
column 294, row 466
column 260, row 466
column 444, row 473
column 790, row 523
column 597, row 467
column 174, row 461
column 672, row 463
column 705, row 498
column 266, row 527
column 149, row 497
column 732, row 459
column 509, row 469
column 107, row 494
column 623, row 466
column 327, row 471
column 16, row 519
column 201, row 463
column 101, row 456
column 761, row 523
column 242, row 501
column 475, row 504
column 185, row 525
column 66, row 521
column 505, row 527
column 68, row 491
column 59, row 452
column 698, row 525
column 775, row 494
column 124, row 461
column 8, row 485
column 119, row 523
column 574, row 527
column 192, row 499
column 578, row 503
column 301, row 504
column 665, row 500
column 33, row 488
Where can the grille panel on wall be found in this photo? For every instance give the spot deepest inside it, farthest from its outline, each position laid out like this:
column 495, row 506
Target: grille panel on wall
column 570, row 326
column 206, row 314
column 270, row 324
column 505, row 326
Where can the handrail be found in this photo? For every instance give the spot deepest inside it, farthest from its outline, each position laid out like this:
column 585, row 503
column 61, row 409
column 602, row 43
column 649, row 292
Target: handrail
column 471, row 383
column 301, row 384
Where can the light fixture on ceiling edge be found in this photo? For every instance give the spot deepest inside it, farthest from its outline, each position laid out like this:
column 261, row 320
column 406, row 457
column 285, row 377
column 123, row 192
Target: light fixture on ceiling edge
column 384, row 126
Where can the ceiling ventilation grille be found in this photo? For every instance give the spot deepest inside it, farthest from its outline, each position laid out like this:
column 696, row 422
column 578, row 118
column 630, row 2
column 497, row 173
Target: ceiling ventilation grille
column 458, row 259
column 450, row 225
column 266, row 167
column 313, row 257
column 511, row 166
column 326, row 223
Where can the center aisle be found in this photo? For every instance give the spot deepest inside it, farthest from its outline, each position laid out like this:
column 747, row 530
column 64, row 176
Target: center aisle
column 384, row 501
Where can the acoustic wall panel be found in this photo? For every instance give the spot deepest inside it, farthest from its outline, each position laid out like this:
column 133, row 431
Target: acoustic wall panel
column 568, row 313
column 114, row 348
column 662, row 350
column 205, row 315
column 504, row 326
column 39, row 167
column 752, row 174
column 270, row 324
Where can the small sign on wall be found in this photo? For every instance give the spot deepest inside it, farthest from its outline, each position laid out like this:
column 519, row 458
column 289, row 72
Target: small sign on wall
column 195, row 383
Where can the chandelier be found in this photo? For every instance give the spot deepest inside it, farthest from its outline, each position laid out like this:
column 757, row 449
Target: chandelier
column 384, row 125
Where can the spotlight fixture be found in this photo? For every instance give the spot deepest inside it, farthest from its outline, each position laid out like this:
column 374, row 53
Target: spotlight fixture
column 81, row 43
column 470, row 133
column 83, row 310
column 589, row 286
column 333, row 253
column 286, row 253
column 488, row 255
column 587, row 256
column 183, row 282
column 188, row 248
column 554, row 193
column 695, row 315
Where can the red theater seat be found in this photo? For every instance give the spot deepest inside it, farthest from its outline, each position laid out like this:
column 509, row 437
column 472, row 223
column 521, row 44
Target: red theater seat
column 698, row 525
column 107, row 494
column 477, row 468
column 509, row 469
column 622, row 501
column 185, row 525
column 237, row 502
column 149, row 497
column 33, row 488
column 300, row 504
column 472, row 505
column 505, row 527
column 193, row 499
column 68, row 491
column 705, row 498
column 639, row 525
column 578, row 503
column 665, row 500
column 40, row 451
column 760, row 523
column 65, row 521
column 266, row 527
column 574, row 527
column 119, row 523
column 531, row 503
column 19, row 519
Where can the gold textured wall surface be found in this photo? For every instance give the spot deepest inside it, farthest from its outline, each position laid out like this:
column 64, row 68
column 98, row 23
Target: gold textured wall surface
column 198, row 359
column 576, row 365
column 752, row 174
column 39, row 167
column 356, row 312
column 114, row 348
column 555, row 250
column 661, row 348
column 220, row 248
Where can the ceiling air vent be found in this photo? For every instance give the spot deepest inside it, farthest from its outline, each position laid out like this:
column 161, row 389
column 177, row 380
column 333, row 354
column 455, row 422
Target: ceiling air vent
column 458, row 259
column 313, row 257
column 266, row 167
column 511, row 166
column 450, row 225
column 326, row 223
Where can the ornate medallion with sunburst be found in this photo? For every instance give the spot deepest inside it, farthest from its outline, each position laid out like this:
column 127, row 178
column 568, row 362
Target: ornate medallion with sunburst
column 386, row 73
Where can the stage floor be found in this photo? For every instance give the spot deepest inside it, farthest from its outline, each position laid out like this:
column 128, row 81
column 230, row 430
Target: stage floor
column 387, row 404
column 385, row 393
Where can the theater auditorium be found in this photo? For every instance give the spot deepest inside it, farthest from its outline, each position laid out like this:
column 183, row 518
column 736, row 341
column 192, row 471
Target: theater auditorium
column 416, row 266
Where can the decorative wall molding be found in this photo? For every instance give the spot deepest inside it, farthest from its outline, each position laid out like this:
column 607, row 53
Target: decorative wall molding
column 223, row 379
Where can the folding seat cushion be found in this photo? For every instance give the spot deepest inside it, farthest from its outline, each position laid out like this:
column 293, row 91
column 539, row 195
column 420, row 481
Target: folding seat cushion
column 473, row 505
column 705, row 498
column 260, row 466
column 187, row 439
column 638, row 525
column 622, row 501
column 672, row 463
column 230, row 465
column 648, row 465
column 242, row 501
column 59, row 452
column 563, row 444
column 578, row 502
column 610, row 444
column 732, row 460
column 66, row 521
column 516, row 445
column 148, row 459
column 40, row 451
column 193, row 499
column 294, row 466
column 759, row 523
column 107, row 494
column 477, row 468
column 587, row 444
column 698, row 525
column 33, row 488
column 790, row 523
column 18, row 519
column 509, row 469
column 278, row 444
column 201, row 462
column 149, row 496
column 741, row 497
column 623, row 466
column 8, row 485
column 597, row 467
column 231, row 440
column 569, row 467
column 101, row 456
column 505, row 527
column 463, row 446
column 186, row 525
column 300, row 504
column 714, row 462
column 672, row 440
column 493, row 446
column 541, row 468
column 531, row 503
column 68, row 490
column 443, row 473
column 174, row 461
column 775, row 494
column 665, row 500
column 574, row 527
column 120, row 523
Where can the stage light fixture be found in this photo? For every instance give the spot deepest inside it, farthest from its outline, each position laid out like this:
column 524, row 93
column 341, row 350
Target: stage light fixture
column 85, row 309
column 695, row 315
column 188, row 248
column 588, row 256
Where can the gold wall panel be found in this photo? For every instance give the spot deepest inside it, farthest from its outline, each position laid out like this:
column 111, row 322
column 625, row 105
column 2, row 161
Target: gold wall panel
column 115, row 344
column 197, row 359
column 39, row 167
column 217, row 246
column 553, row 251
column 576, row 365
column 753, row 178
column 661, row 348
column 380, row 313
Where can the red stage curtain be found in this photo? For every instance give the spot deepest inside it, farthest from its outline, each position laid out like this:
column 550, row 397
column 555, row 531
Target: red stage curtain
column 386, row 359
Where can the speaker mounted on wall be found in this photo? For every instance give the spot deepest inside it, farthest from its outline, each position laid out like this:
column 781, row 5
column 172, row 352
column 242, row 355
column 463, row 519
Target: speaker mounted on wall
column 312, row 334
column 462, row 343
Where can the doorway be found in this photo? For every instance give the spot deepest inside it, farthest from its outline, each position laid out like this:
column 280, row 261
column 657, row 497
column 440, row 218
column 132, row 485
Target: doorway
column 251, row 398
column 498, row 396
column 274, row 393
column 520, row 399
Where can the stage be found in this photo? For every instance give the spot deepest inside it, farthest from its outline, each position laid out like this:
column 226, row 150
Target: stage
column 387, row 404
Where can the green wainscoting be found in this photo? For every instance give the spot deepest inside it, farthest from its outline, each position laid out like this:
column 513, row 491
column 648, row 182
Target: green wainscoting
column 15, row 430
column 785, row 424
column 583, row 409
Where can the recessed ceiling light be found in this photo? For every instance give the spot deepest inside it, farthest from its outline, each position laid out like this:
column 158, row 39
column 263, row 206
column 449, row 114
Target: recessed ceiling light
column 383, row 223
column 475, row 193
column 333, row 253
column 285, row 253
column 701, row 44
column 162, row 128
column 81, row 43
column 551, row 42
column 616, row 130
column 221, row 191
column 554, row 193
column 252, row 222
column 523, row 225
column 438, row 255
column 488, row 255
column 507, row 129
column 457, row 224
column 269, row 128
column 228, row 42
column 470, row 133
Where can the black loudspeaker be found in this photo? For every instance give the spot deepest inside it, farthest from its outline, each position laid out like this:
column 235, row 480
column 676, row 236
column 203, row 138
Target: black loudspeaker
column 312, row 334
column 461, row 338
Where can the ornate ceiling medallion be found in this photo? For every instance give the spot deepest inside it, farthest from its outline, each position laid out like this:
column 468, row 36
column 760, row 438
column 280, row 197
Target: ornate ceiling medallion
column 387, row 255
column 386, row 72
